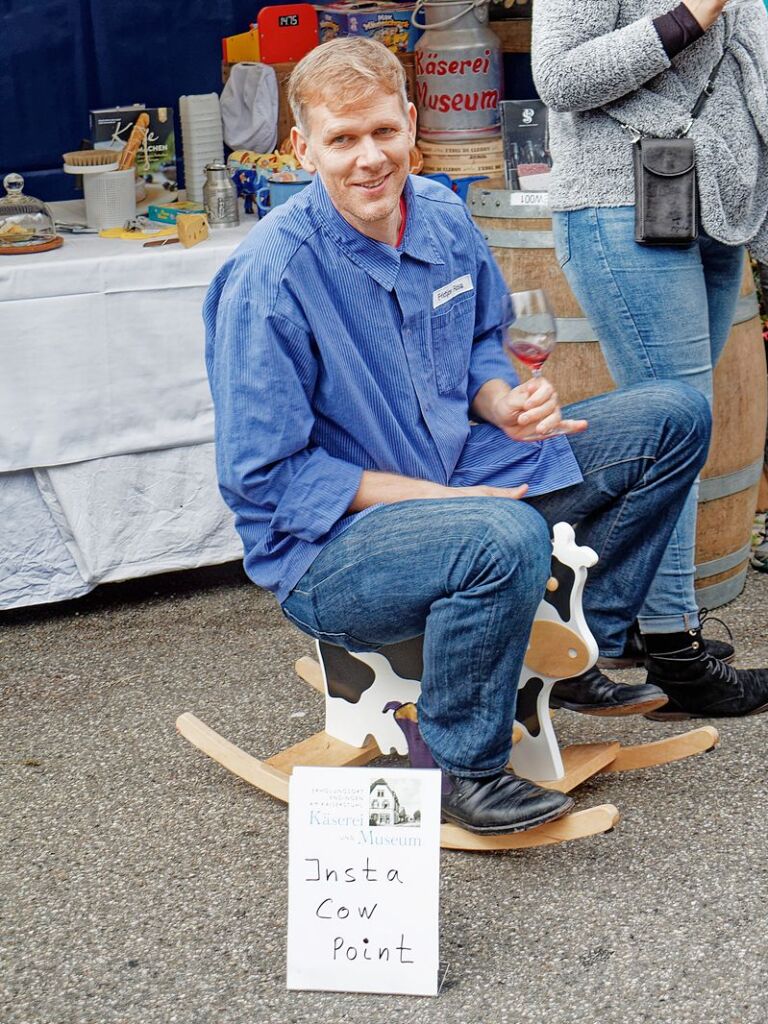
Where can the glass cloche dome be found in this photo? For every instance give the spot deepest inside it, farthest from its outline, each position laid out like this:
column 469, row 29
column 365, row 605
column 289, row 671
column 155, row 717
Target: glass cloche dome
column 26, row 224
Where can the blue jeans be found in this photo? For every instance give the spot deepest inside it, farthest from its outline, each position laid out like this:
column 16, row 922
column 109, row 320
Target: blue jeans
column 659, row 312
column 468, row 573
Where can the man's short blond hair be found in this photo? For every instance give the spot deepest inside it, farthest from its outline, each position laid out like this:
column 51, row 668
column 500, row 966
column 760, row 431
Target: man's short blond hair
column 344, row 72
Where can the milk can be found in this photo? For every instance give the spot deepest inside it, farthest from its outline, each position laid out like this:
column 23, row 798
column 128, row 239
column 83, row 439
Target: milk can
column 220, row 197
column 459, row 71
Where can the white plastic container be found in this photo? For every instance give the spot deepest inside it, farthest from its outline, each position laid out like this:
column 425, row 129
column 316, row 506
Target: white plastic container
column 110, row 198
column 202, row 139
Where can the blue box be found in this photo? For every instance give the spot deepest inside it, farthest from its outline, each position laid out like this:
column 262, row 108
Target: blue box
column 389, row 23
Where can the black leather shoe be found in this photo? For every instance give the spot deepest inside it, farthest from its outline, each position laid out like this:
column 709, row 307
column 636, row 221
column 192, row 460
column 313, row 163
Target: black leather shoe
column 500, row 804
column 635, row 655
column 592, row 693
column 700, row 686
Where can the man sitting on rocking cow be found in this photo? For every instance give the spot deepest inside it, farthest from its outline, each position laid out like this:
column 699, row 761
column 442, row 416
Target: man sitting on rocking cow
column 376, row 448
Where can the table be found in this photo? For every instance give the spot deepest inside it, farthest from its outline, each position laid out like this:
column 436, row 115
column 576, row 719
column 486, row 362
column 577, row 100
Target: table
column 106, row 422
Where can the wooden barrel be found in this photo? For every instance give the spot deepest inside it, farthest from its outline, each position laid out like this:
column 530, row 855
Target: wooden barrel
column 521, row 240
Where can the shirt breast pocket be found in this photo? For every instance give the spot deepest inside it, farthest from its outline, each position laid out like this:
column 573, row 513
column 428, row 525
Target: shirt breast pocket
column 452, row 330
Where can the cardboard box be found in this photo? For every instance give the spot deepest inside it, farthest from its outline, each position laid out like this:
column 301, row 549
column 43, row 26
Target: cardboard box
column 332, row 20
column 525, row 134
column 389, row 23
column 244, row 46
column 168, row 214
column 156, row 156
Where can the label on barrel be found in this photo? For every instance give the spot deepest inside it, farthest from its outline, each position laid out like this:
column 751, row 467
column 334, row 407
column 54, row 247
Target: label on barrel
column 529, row 198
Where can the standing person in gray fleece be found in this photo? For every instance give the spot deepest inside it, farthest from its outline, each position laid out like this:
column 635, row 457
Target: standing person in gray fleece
column 659, row 311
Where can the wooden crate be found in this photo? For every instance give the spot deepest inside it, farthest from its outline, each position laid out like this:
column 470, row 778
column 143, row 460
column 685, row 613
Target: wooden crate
column 515, row 35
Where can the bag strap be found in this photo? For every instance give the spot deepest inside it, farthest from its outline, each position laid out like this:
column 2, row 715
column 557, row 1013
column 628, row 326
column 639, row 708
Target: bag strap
column 704, row 95
column 701, row 99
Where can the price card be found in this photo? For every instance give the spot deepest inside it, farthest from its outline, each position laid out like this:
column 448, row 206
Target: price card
column 529, row 198
column 363, row 892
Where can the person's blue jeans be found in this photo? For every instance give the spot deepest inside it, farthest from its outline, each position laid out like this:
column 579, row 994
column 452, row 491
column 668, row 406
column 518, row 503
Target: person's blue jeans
column 468, row 573
column 659, row 312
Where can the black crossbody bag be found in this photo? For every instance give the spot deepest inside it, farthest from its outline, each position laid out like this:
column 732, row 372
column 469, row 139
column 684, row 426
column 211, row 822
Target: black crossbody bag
column 666, row 193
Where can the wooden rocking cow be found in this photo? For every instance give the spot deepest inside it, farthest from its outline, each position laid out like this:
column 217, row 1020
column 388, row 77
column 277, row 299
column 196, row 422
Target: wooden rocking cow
column 360, row 690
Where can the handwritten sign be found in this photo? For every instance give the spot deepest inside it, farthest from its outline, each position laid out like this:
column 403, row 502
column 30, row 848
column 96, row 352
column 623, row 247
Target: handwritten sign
column 363, row 892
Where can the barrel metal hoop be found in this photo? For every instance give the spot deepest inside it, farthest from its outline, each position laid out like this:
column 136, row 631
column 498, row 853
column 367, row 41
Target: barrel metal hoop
column 747, row 308
column 723, row 592
column 494, row 202
column 501, row 239
column 705, row 570
column 578, row 329
column 575, row 328
column 730, row 483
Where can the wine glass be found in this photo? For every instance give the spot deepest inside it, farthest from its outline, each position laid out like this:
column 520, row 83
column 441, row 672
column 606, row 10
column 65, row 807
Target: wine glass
column 530, row 335
column 530, row 328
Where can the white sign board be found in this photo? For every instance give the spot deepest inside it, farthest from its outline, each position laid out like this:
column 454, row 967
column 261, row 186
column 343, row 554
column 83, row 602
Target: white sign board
column 529, row 198
column 364, row 880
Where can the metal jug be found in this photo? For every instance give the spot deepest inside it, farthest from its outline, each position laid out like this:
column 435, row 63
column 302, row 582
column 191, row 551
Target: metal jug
column 220, row 197
column 459, row 71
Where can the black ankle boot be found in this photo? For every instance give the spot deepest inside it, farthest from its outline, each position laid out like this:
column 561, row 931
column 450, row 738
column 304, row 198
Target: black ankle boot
column 593, row 693
column 500, row 804
column 699, row 685
column 635, row 655
column 494, row 805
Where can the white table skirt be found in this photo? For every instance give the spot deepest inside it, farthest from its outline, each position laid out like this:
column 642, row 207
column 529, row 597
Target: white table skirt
column 106, row 422
column 68, row 528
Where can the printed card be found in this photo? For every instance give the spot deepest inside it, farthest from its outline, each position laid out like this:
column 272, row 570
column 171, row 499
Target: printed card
column 364, row 864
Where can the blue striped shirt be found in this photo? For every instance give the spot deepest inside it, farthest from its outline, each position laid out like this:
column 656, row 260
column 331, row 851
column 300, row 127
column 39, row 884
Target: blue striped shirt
column 329, row 353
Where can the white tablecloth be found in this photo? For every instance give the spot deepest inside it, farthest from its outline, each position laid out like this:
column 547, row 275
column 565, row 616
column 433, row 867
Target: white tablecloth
column 106, row 422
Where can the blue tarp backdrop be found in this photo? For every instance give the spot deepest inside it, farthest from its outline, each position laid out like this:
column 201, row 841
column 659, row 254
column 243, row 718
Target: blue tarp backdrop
column 61, row 58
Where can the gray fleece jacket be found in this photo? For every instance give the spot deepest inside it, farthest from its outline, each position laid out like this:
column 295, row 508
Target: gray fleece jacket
column 597, row 63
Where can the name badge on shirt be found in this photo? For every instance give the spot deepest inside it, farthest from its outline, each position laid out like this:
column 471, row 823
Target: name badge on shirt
column 442, row 295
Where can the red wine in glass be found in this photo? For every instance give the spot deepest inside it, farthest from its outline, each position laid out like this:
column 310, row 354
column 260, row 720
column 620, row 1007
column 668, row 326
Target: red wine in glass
column 530, row 335
column 530, row 329
column 533, row 354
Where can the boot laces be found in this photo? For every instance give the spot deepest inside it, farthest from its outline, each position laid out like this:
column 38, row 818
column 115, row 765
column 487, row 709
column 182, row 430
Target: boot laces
column 704, row 616
column 723, row 673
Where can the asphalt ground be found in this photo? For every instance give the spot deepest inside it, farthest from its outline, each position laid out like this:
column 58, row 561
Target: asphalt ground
column 143, row 884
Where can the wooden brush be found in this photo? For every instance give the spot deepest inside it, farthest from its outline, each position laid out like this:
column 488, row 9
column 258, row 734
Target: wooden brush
column 83, row 161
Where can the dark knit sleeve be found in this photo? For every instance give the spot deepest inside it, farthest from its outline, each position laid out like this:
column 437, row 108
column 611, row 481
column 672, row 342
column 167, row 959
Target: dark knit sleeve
column 677, row 29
